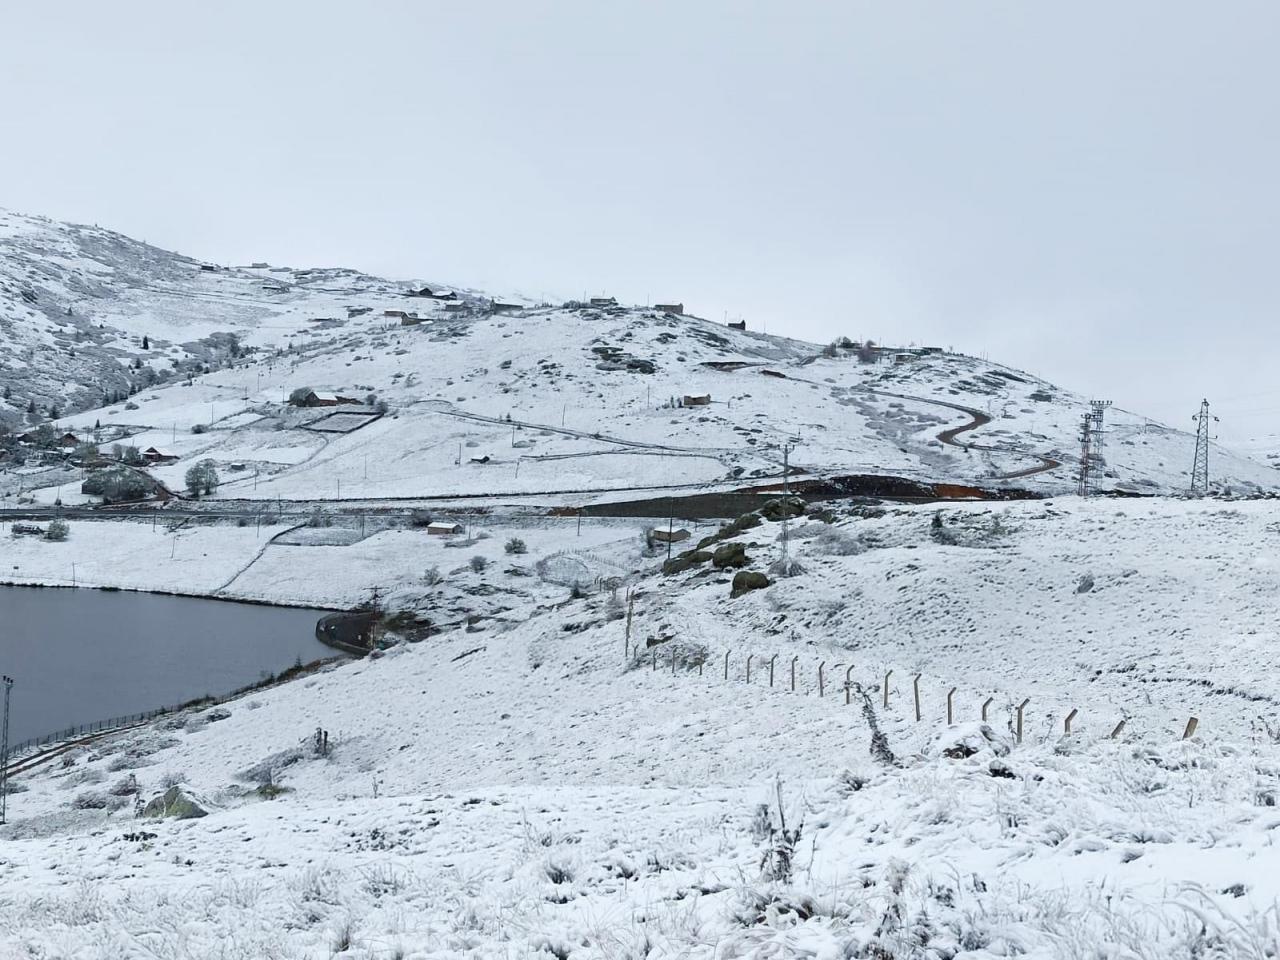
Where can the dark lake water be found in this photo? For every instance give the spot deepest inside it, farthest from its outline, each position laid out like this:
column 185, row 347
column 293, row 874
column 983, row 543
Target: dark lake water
column 78, row 656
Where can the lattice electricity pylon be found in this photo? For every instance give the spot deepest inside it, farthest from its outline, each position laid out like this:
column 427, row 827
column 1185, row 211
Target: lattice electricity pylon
column 1092, row 463
column 1200, row 466
column 1086, row 458
column 4, row 749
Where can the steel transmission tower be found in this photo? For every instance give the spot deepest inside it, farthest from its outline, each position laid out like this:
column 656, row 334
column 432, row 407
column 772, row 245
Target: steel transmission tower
column 1200, row 466
column 4, row 749
column 1092, row 463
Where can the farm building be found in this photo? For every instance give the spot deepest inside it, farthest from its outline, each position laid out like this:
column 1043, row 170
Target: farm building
column 440, row 529
column 155, row 455
column 498, row 306
column 313, row 399
column 677, row 308
column 411, row 320
column 395, row 313
column 737, row 324
column 604, row 301
column 453, row 306
column 433, row 294
column 699, row 400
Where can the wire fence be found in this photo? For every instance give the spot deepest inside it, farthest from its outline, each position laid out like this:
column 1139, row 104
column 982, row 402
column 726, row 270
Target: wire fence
column 33, row 745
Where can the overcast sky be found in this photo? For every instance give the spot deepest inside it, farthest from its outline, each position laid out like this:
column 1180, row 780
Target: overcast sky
column 1087, row 190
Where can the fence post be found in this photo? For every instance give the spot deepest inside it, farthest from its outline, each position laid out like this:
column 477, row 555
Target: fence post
column 915, row 682
column 821, row 666
column 1190, row 732
column 1022, row 706
column 749, row 656
column 950, row 713
column 655, row 659
column 726, row 664
column 986, row 704
column 888, row 674
column 848, row 686
column 673, row 661
column 772, row 661
column 1066, row 724
column 793, row 672
column 1119, row 729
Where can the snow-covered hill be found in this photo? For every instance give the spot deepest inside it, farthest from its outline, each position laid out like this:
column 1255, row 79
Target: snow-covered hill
column 574, row 398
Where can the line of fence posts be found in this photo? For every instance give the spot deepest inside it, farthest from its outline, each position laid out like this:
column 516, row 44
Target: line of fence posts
column 1018, row 711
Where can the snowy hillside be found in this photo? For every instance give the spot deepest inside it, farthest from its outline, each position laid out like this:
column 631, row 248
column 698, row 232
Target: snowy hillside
column 593, row 393
column 76, row 303
column 524, row 788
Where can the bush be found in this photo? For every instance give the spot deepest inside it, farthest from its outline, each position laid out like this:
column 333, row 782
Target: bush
column 515, row 545
column 432, row 576
column 478, row 564
column 57, row 530
column 299, row 396
column 200, row 428
column 117, row 484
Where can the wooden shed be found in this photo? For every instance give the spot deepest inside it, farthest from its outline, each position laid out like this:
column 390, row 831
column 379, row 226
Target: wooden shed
column 441, row 529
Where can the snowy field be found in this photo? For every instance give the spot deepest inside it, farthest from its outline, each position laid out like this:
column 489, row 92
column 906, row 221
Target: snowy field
column 521, row 788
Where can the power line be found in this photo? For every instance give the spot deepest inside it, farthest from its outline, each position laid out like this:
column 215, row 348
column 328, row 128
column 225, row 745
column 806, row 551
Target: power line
column 1200, row 465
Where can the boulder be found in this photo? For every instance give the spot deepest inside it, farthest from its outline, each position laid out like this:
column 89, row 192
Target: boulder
column 745, row 581
column 684, row 561
column 782, row 508
column 176, row 804
column 730, row 555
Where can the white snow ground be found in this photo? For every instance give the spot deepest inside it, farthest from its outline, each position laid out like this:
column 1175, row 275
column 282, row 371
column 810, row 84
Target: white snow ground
column 518, row 789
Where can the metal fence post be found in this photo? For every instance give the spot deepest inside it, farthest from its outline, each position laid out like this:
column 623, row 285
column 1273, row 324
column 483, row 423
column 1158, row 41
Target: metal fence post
column 821, row 666
column 726, row 664
column 793, row 672
column 885, row 701
column 915, row 682
column 749, row 656
column 772, row 660
column 986, row 705
column 950, row 713
column 1066, row 724
column 848, row 686
column 1022, row 706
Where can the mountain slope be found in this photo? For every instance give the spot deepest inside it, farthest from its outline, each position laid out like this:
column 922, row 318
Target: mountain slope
column 576, row 399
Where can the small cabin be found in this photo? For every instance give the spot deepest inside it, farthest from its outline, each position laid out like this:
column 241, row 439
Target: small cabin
column 409, row 320
column 604, row 301
column 499, row 306
column 439, row 529
column 313, row 399
column 737, row 324
column 676, row 308
column 454, row 306
column 699, row 400
column 395, row 313
column 670, row 536
column 155, row 455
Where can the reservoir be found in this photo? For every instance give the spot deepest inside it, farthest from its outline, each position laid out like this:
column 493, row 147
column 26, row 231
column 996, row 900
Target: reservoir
column 78, row 656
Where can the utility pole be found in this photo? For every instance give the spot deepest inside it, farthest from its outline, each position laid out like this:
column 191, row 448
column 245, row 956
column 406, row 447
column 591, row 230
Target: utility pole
column 1092, row 463
column 4, row 749
column 1200, row 466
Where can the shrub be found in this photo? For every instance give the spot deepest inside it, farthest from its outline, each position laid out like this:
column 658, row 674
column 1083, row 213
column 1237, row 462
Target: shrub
column 57, row 530
column 299, row 396
column 200, row 428
column 478, row 564
column 432, row 576
column 515, row 545
column 117, row 484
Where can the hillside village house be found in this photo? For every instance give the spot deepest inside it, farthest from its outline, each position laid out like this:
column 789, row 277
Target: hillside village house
column 604, row 302
column 155, row 455
column 700, row 400
column 676, row 308
column 314, row 399
column 440, row 529
column 395, row 313
column 737, row 324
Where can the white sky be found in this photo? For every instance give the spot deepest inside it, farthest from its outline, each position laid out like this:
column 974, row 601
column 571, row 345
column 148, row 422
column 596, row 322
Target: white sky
column 1086, row 190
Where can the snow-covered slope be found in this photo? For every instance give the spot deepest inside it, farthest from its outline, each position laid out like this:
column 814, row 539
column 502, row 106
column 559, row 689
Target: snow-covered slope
column 593, row 392
column 524, row 789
